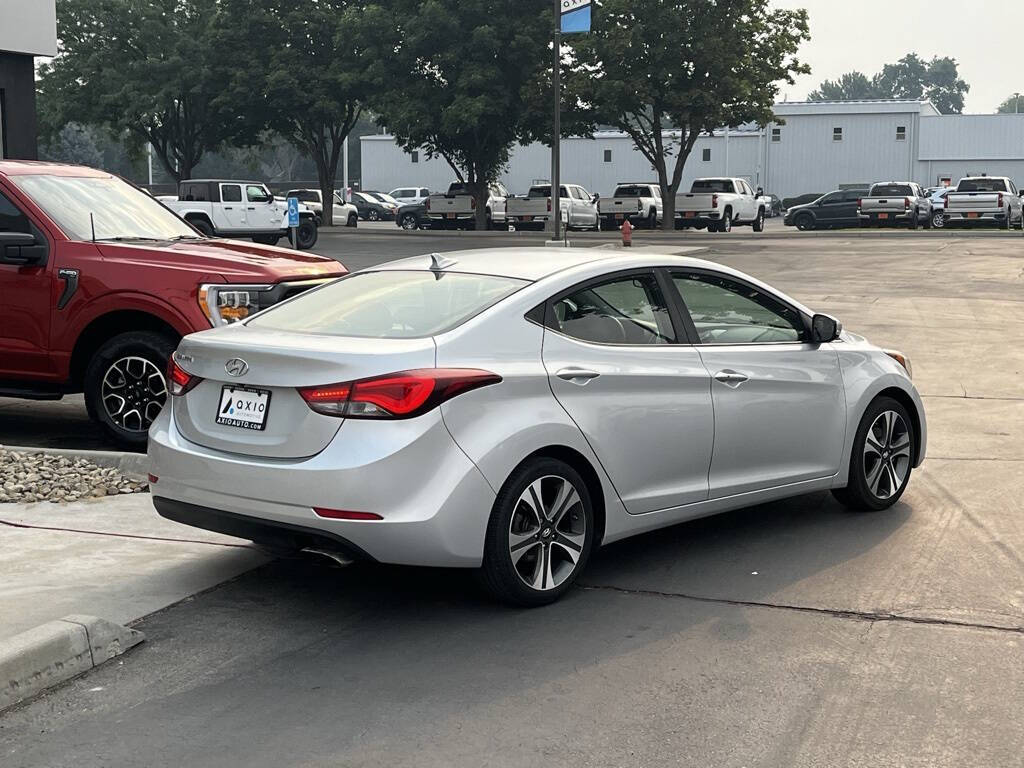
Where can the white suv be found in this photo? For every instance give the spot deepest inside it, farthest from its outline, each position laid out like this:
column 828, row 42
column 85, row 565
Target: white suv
column 410, row 195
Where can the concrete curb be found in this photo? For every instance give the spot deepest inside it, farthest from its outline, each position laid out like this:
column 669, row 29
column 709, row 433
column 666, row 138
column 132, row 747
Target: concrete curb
column 57, row 651
column 135, row 464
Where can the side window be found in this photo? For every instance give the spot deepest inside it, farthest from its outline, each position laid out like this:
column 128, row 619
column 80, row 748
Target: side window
column 832, row 198
column 853, row 195
column 624, row 310
column 231, row 193
column 727, row 312
column 255, row 193
column 11, row 219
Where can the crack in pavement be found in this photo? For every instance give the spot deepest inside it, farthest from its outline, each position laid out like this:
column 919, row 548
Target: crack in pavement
column 833, row 612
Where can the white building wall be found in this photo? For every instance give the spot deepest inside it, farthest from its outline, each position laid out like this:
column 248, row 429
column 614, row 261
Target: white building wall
column 806, row 160
column 28, row 26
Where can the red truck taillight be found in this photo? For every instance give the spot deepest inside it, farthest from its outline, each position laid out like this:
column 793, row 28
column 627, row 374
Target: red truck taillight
column 906, row 203
column 859, row 200
column 1000, row 203
column 714, row 201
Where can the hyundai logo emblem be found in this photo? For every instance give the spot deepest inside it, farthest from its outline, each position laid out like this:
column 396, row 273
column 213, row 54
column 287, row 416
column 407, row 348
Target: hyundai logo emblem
column 236, row 366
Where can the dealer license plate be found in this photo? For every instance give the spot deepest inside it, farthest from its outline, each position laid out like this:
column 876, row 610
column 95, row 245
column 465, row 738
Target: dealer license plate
column 972, row 215
column 690, row 214
column 883, row 215
column 451, row 215
column 243, row 407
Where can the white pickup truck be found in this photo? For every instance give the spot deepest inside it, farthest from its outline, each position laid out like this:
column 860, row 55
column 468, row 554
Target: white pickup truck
column 579, row 207
column 895, row 202
column 236, row 209
column 639, row 202
column 985, row 199
column 457, row 207
column 719, row 204
column 344, row 213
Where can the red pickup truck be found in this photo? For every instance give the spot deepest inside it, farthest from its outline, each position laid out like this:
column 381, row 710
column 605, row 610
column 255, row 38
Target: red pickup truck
column 99, row 281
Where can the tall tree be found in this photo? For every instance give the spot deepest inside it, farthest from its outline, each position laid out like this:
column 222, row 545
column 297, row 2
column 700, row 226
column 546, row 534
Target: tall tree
column 145, row 67
column 306, row 78
column 1013, row 105
column 458, row 78
column 937, row 80
column 852, row 85
column 694, row 65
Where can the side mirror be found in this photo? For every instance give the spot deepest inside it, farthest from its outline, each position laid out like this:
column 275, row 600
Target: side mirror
column 597, row 196
column 825, row 328
column 760, row 191
column 21, row 248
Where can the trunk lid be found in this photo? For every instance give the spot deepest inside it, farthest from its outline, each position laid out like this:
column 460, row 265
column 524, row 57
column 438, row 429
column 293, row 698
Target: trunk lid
column 276, row 364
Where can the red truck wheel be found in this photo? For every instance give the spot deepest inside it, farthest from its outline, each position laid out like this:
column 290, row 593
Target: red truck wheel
column 125, row 384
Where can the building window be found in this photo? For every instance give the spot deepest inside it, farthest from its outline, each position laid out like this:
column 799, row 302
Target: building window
column 837, row 134
column 901, row 133
column 607, row 155
column 705, row 155
column 415, row 155
column 776, row 135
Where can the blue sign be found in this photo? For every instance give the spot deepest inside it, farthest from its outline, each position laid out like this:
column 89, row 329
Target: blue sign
column 575, row 16
column 293, row 211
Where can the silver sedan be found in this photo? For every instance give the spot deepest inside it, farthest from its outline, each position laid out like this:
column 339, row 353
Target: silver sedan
column 510, row 410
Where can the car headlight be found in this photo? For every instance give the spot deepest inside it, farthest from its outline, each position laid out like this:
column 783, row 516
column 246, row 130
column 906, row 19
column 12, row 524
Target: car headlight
column 902, row 359
column 226, row 304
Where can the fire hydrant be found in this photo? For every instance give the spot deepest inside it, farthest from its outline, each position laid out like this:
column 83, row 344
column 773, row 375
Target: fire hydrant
column 627, row 234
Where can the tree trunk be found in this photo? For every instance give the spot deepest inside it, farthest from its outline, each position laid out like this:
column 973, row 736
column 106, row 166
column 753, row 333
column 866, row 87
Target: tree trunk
column 325, row 176
column 480, row 192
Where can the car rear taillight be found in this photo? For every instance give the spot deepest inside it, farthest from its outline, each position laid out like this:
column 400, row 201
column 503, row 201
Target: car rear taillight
column 344, row 514
column 906, row 203
column 859, row 201
column 426, row 204
column 714, row 201
column 1000, row 200
column 179, row 381
column 400, row 395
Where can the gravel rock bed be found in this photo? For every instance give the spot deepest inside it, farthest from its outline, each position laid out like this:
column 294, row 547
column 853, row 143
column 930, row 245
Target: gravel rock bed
column 28, row 477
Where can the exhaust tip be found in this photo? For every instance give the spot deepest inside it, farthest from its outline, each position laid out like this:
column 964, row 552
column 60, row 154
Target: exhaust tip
column 335, row 557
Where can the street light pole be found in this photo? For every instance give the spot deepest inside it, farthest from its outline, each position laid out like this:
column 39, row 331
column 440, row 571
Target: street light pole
column 556, row 170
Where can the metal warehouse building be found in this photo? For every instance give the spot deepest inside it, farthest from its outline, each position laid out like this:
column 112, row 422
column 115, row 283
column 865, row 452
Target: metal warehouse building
column 814, row 147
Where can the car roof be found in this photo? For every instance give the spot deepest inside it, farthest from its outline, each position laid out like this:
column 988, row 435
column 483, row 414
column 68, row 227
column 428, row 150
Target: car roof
column 37, row 168
column 537, row 263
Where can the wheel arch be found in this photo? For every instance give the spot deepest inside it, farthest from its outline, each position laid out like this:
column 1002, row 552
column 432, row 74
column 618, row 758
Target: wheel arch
column 200, row 215
column 586, row 470
column 903, row 398
column 105, row 327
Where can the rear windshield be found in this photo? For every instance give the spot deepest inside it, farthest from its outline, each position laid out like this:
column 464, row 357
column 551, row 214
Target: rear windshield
column 390, row 305
column 544, row 190
column 632, row 190
column 712, row 185
column 890, row 190
column 982, row 185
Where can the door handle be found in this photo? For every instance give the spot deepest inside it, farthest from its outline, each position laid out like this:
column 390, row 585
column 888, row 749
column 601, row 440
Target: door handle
column 228, row 208
column 252, row 207
column 579, row 376
column 731, row 378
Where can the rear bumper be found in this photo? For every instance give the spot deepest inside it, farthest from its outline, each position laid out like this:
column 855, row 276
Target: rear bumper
column 973, row 217
column 890, row 216
column 434, row 501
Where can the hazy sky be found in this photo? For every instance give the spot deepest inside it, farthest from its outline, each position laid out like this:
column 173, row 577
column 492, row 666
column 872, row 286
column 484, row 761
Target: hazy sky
column 986, row 37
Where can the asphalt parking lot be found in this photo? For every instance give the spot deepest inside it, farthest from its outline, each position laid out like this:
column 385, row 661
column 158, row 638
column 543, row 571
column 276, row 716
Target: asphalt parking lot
column 790, row 634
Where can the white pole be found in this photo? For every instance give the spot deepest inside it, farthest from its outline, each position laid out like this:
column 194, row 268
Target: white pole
column 149, row 153
column 726, row 151
column 344, row 172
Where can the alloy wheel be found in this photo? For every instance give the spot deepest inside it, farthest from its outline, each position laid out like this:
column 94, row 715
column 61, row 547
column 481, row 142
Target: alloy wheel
column 133, row 392
column 547, row 532
column 886, row 454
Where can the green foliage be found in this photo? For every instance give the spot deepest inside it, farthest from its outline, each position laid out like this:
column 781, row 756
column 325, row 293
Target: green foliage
column 911, row 77
column 302, row 72
column 145, row 67
column 694, row 65
column 462, row 78
column 1013, row 105
column 74, row 144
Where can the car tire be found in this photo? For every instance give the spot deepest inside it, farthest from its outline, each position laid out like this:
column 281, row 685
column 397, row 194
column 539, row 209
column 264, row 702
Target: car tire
column 204, row 226
column 938, row 220
column 1005, row 223
column 409, row 221
column 758, row 225
column 530, row 559
column 353, row 220
column 914, row 223
column 307, row 234
column 882, row 457
column 804, row 222
column 725, row 225
column 372, row 215
column 125, row 384
column 266, row 239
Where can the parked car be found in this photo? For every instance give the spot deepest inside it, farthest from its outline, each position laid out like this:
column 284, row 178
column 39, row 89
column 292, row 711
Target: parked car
column 237, row 209
column 895, row 202
column 577, row 205
column 99, row 282
column 836, row 209
column 719, row 203
column 371, row 208
column 772, row 205
column 985, row 200
column 413, row 216
column 410, row 195
column 938, row 202
column 344, row 213
column 605, row 415
column 457, row 207
column 639, row 202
